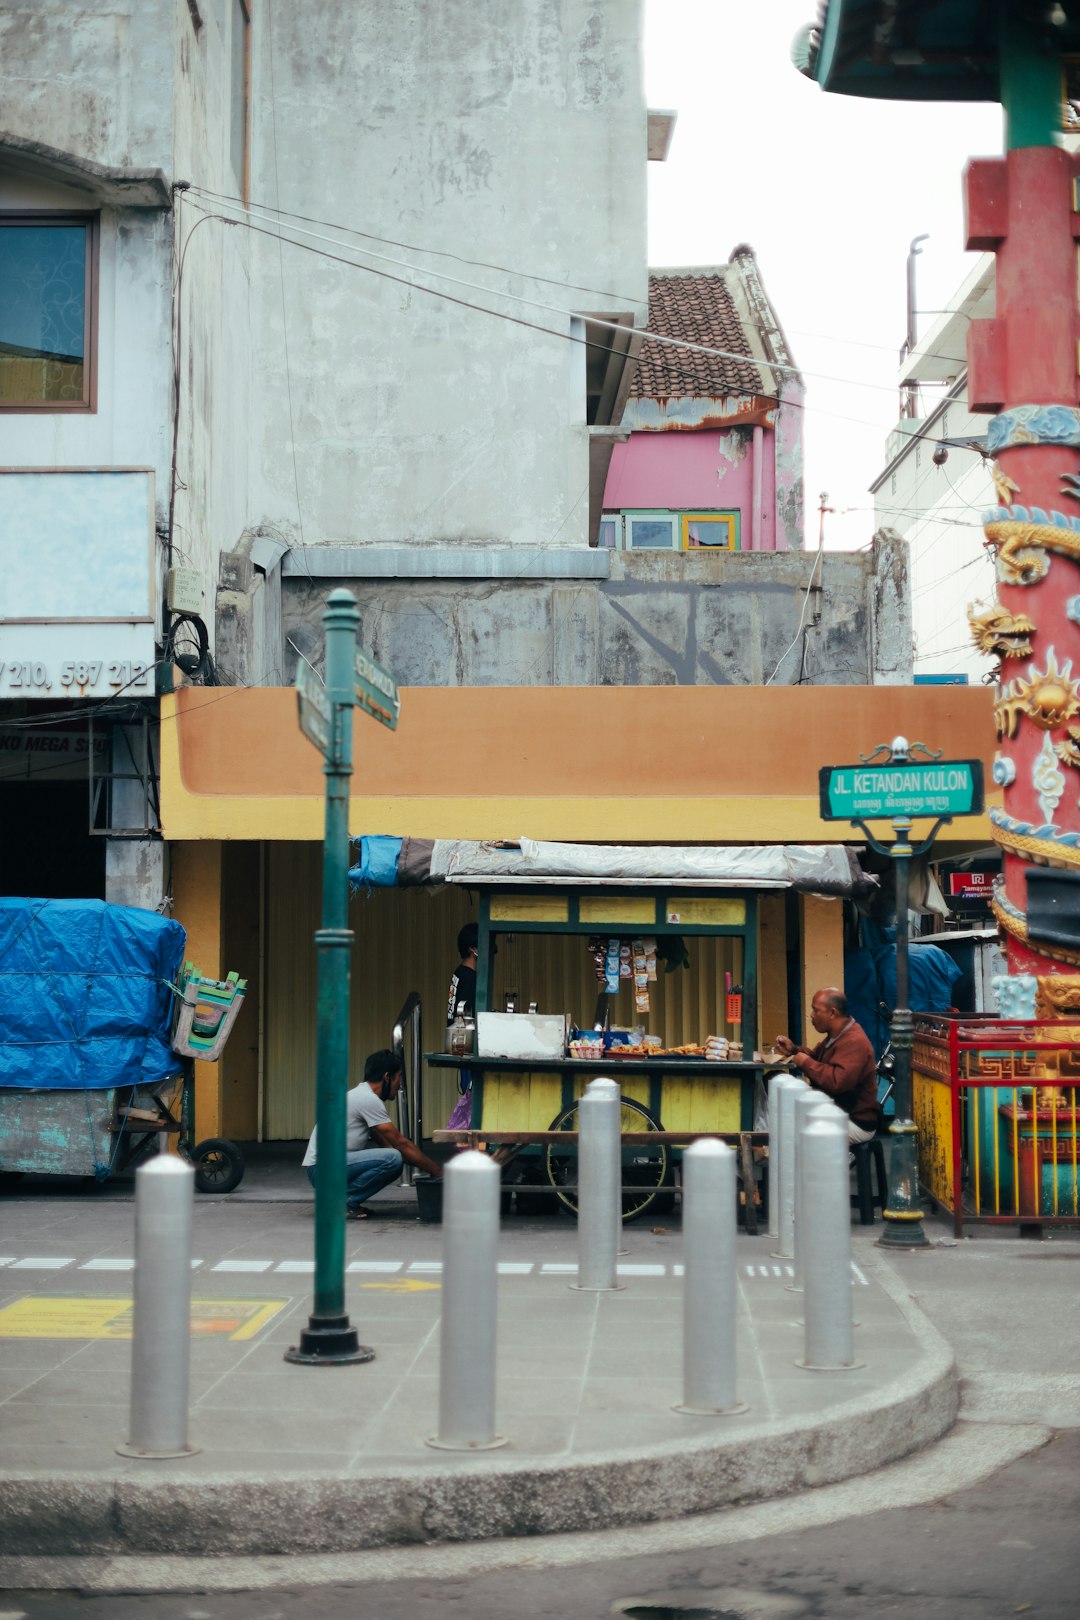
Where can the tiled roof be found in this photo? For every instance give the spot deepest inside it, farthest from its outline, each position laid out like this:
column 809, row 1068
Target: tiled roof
column 698, row 307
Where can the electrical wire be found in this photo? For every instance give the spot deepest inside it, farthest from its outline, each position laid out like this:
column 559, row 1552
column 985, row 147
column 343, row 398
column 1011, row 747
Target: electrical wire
column 805, row 606
column 569, row 286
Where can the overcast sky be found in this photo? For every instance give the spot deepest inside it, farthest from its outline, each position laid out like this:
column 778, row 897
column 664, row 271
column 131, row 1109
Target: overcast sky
column 829, row 190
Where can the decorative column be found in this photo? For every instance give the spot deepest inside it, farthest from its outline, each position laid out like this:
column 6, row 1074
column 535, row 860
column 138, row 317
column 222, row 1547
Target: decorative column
column 1023, row 366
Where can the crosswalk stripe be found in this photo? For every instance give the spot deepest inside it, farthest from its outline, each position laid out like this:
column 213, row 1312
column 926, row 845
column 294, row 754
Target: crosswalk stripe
column 107, row 1265
column 242, row 1265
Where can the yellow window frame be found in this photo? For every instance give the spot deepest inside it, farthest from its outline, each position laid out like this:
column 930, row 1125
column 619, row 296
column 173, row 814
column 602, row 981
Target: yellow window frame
column 730, row 519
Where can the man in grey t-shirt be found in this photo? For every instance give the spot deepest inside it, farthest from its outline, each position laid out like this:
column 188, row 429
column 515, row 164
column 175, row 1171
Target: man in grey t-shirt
column 370, row 1167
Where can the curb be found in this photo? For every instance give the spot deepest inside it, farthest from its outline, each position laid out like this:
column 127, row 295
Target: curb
column 58, row 1514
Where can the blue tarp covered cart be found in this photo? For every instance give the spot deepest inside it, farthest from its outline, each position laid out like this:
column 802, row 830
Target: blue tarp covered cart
column 91, row 1069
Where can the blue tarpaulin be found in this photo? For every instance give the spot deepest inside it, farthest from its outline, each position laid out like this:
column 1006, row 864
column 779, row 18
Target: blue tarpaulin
column 86, row 997
column 377, row 867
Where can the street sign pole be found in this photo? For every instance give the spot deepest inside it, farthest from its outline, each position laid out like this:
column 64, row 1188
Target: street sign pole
column 899, row 790
column 329, row 1338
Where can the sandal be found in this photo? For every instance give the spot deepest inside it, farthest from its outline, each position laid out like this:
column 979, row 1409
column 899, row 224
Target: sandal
column 356, row 1214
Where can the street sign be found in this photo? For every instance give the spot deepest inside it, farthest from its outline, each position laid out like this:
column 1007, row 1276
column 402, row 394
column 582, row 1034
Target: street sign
column 316, row 718
column 938, row 787
column 375, row 690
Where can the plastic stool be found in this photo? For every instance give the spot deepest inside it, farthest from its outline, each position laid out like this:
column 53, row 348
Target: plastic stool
column 864, row 1199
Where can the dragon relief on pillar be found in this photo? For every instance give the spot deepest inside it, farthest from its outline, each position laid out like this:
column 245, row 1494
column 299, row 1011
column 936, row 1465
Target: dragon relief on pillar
column 997, row 631
column 1022, row 537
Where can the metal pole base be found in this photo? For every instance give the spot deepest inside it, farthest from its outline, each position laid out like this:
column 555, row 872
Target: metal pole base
column 711, row 1411
column 587, row 1288
column 126, row 1449
column 839, row 1366
column 465, row 1445
column 329, row 1342
column 902, row 1231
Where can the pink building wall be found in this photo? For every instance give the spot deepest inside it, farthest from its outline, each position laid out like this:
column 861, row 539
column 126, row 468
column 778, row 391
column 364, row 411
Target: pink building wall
column 701, row 470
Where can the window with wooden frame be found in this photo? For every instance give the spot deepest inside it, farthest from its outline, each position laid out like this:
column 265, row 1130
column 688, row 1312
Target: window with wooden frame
column 48, row 311
column 710, row 531
column 240, row 92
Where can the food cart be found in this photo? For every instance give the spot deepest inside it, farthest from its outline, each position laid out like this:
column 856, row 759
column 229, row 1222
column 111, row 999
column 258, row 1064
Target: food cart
column 700, row 1076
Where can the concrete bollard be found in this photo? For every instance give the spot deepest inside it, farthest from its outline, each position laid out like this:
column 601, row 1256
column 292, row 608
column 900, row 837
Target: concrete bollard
column 709, row 1220
column 829, row 1340
column 599, row 1186
column 161, row 1327
column 469, row 1301
column 810, row 1105
column 782, row 1165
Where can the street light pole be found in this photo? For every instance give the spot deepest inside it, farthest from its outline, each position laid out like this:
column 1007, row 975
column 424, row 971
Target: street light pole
column 329, row 1338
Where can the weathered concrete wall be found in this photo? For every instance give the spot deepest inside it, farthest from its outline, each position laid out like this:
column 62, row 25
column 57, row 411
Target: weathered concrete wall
column 93, row 78
column 657, row 619
column 510, row 134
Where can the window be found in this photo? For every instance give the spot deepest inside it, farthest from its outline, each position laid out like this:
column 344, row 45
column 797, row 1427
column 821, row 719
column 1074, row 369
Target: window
column 48, row 312
column 650, row 531
column 241, row 94
column 670, row 531
column 710, row 529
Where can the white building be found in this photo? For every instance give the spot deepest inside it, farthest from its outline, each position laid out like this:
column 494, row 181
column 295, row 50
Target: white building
column 936, row 485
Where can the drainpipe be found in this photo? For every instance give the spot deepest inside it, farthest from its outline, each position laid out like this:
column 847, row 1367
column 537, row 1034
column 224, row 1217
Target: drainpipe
column 756, row 538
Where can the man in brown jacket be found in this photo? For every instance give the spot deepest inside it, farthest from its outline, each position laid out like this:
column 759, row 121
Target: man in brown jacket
column 842, row 1065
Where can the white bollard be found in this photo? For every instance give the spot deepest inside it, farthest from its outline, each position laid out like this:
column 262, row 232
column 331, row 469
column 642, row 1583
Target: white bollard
column 829, row 1339
column 782, row 1165
column 709, row 1221
column 161, row 1325
column 469, row 1300
column 599, row 1186
column 776, row 1086
column 810, row 1105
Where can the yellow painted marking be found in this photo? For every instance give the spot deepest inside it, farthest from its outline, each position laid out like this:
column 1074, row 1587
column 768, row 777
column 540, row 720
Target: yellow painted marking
column 703, row 908
column 530, row 908
column 630, row 910
column 41, row 1317
column 404, row 1285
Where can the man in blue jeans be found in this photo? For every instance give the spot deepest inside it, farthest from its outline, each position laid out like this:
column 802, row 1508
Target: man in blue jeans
column 366, row 1120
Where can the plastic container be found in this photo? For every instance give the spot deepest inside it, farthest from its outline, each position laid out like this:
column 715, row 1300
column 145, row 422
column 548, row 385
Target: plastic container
column 429, row 1198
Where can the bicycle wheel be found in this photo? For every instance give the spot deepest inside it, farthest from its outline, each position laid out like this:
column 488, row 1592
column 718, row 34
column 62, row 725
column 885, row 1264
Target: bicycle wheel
column 644, row 1167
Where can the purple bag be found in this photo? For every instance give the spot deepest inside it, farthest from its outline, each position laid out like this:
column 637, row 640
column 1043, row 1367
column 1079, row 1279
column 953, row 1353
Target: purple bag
column 461, row 1117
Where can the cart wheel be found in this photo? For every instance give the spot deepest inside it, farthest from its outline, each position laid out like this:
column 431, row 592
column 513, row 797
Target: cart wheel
column 643, row 1167
column 219, row 1165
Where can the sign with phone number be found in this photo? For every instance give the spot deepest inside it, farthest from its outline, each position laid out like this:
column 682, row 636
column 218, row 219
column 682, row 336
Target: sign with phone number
column 74, row 677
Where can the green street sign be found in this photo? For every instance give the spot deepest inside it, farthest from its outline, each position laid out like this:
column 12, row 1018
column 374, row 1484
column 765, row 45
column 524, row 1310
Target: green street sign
column 938, row 787
column 375, row 690
column 313, row 701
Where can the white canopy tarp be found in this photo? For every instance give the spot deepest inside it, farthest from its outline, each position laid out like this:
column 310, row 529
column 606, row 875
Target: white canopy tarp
column 813, row 868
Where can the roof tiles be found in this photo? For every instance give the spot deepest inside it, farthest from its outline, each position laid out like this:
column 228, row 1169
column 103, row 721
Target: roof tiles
column 698, row 308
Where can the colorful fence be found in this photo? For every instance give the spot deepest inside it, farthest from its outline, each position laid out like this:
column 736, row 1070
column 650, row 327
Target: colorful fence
column 996, row 1106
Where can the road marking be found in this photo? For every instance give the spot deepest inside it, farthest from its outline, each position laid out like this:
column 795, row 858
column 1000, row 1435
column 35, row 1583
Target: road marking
column 641, row 1271
column 426, row 1265
column 107, row 1265
column 51, row 1264
column 514, row 1268
column 403, row 1285
column 295, row 1265
column 860, row 1276
column 552, row 1268
column 507, row 1268
column 374, row 1265
column 243, row 1265
column 43, row 1317
column 6, row 1259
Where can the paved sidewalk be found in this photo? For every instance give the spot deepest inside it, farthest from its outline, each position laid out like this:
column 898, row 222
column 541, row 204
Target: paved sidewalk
column 310, row 1460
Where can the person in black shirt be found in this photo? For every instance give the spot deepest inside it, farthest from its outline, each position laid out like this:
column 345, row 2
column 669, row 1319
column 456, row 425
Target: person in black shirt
column 463, row 978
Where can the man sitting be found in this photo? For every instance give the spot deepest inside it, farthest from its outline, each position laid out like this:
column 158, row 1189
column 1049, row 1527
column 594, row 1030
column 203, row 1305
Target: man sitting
column 369, row 1168
column 842, row 1065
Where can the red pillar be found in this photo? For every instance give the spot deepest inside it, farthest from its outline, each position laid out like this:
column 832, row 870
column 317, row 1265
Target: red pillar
column 1023, row 366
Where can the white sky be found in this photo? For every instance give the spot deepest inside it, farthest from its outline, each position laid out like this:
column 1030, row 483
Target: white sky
column 829, row 191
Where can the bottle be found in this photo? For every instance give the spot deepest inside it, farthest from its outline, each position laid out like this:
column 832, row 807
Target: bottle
column 459, row 1034
column 532, row 1006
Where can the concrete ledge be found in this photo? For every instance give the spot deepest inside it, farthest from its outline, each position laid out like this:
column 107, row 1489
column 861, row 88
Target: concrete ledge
column 491, row 1495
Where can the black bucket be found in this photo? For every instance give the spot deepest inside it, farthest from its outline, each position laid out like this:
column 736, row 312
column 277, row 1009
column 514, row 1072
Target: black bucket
column 429, row 1197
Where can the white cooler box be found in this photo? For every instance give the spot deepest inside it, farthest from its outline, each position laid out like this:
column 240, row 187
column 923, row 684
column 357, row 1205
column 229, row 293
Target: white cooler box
column 521, row 1035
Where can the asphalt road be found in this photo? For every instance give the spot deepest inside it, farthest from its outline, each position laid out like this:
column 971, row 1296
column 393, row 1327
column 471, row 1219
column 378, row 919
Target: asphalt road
column 1003, row 1548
